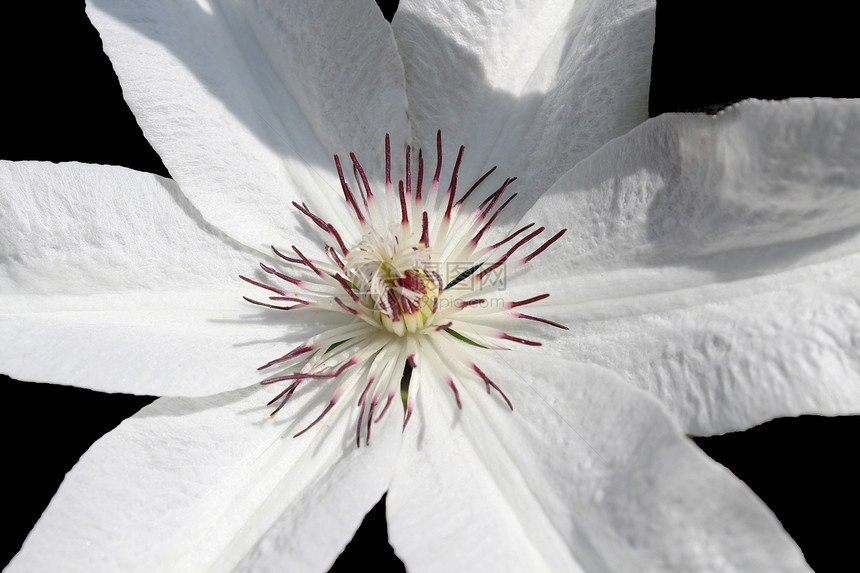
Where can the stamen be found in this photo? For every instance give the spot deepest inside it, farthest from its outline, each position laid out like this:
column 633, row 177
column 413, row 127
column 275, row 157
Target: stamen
column 387, row 162
column 520, row 340
column 331, row 404
column 456, row 393
column 508, row 238
column 543, row 247
column 345, row 307
column 361, row 412
column 357, row 166
column 538, row 319
column 505, row 257
column 281, row 275
column 398, row 307
column 420, row 177
column 285, row 257
column 297, row 351
column 263, row 285
column 438, row 158
column 404, row 217
column 408, row 170
column 468, row 303
column 425, row 238
column 478, row 182
column 272, row 306
column 490, row 383
column 287, row 394
column 305, row 261
column 452, row 188
column 328, row 228
column 347, row 192
column 346, row 287
column 385, row 408
column 528, row 300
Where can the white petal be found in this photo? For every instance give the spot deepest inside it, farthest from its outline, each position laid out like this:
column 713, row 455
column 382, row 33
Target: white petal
column 108, row 281
column 587, row 474
column 714, row 262
column 211, row 484
column 246, row 102
column 531, row 87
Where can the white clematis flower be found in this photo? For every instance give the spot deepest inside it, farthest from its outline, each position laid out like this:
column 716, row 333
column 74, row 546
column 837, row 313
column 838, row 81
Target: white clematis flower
column 693, row 244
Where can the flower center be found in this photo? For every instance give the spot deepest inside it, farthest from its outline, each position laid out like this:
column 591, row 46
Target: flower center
column 407, row 302
column 378, row 298
column 397, row 287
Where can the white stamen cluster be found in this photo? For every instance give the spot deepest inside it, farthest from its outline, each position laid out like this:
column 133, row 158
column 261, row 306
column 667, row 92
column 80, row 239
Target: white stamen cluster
column 406, row 296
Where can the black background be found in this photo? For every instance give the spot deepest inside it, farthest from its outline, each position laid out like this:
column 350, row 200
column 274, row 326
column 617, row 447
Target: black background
column 61, row 102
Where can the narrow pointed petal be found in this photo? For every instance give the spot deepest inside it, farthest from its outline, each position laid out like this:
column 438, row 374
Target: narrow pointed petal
column 534, row 87
column 586, row 474
column 246, row 102
column 714, row 262
column 211, row 484
column 108, row 280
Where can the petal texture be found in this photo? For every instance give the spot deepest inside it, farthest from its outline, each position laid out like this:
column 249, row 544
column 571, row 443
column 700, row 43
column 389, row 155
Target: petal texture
column 109, row 282
column 532, row 87
column 211, row 484
column 246, row 102
column 586, row 474
column 715, row 262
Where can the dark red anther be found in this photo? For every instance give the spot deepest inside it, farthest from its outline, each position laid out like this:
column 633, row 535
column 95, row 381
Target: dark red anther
column 511, row 236
column 473, row 302
column 327, row 227
column 297, row 351
column 456, row 392
column 280, row 275
column 539, row 319
column 357, row 166
column 285, row 257
column 408, row 170
column 385, row 408
column 369, row 421
column 452, row 188
column 505, row 257
column 425, row 230
column 438, row 157
column 334, row 256
column 489, row 223
column 264, row 285
column 489, row 383
column 528, row 300
column 404, row 216
column 520, row 340
column 478, row 182
column 543, row 247
column 361, row 400
column 420, row 176
column 287, row 394
column 290, row 299
column 333, row 232
column 307, row 262
column 345, row 307
column 321, row 416
column 272, row 306
column 347, row 192
column 387, row 162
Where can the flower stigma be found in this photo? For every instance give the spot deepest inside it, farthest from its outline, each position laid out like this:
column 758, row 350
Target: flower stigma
column 404, row 297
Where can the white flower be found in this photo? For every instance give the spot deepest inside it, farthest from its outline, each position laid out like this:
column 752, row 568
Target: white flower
column 125, row 281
